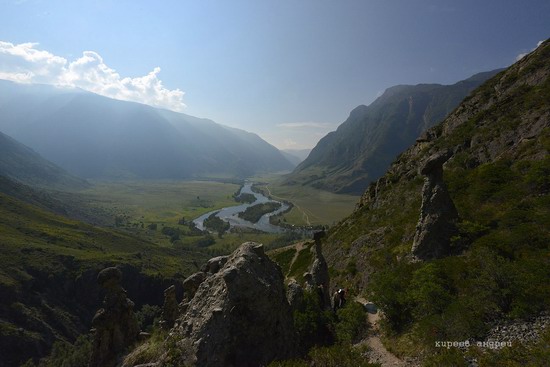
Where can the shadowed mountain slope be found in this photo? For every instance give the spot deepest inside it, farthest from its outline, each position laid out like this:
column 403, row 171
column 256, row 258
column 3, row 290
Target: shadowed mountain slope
column 362, row 148
column 94, row 136
column 497, row 266
column 23, row 164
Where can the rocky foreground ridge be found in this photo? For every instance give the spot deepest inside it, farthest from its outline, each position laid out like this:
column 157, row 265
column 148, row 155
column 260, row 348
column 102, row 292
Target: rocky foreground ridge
column 235, row 313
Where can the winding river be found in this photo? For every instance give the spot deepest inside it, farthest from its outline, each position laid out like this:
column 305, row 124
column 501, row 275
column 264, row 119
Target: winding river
column 230, row 214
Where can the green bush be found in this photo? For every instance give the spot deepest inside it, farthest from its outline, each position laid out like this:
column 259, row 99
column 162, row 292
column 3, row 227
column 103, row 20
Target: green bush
column 147, row 316
column 312, row 323
column 446, row 357
column 352, row 323
column 64, row 354
column 339, row 355
column 429, row 290
column 388, row 290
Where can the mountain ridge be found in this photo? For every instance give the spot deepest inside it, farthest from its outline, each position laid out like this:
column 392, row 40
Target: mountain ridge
column 363, row 146
column 23, row 164
column 94, row 136
column 498, row 143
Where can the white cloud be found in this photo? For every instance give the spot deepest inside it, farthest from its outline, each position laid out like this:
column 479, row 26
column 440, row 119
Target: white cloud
column 24, row 63
column 523, row 54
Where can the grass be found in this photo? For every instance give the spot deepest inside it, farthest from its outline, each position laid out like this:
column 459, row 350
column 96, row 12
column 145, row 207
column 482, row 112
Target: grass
column 161, row 202
column 255, row 212
column 284, row 258
column 35, row 238
column 311, row 206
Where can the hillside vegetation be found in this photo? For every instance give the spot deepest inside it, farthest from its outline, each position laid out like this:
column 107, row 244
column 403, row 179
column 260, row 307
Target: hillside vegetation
column 499, row 179
column 363, row 147
column 48, row 277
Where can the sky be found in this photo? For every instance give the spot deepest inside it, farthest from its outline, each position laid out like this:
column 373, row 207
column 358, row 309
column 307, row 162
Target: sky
column 289, row 70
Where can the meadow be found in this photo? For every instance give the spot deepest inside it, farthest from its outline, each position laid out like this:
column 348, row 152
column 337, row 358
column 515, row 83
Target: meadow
column 161, row 211
column 311, row 206
column 162, row 202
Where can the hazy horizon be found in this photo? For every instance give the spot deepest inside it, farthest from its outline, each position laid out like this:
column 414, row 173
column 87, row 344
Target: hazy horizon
column 288, row 71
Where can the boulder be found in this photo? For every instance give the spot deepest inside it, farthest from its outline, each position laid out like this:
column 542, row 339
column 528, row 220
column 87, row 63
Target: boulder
column 438, row 215
column 115, row 326
column 239, row 316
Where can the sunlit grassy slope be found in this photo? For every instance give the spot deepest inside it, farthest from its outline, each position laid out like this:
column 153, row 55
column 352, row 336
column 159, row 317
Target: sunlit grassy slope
column 37, row 239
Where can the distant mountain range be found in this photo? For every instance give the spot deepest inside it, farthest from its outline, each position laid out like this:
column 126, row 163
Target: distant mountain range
column 296, row 156
column 22, row 164
column 97, row 137
column 362, row 148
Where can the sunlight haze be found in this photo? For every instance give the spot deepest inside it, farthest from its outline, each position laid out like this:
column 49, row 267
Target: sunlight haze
column 290, row 71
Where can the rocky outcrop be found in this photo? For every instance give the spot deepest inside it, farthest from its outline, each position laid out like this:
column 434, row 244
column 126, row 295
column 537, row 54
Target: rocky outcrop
column 169, row 309
column 319, row 271
column 239, row 316
column 526, row 331
column 115, row 326
column 438, row 215
column 294, row 294
column 192, row 283
column 213, row 265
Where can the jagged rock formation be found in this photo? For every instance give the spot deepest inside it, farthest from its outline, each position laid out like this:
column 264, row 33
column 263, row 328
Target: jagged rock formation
column 115, row 326
column 239, row 316
column 169, row 309
column 213, row 265
column 319, row 271
column 438, row 215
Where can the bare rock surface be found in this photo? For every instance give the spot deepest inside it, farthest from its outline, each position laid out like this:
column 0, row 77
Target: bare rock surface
column 115, row 325
column 239, row 316
column 438, row 215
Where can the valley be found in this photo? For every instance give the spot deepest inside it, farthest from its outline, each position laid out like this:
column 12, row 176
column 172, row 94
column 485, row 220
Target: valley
column 151, row 208
column 326, row 184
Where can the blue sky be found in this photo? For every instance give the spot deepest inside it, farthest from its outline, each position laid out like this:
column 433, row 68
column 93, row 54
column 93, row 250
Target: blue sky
column 289, row 70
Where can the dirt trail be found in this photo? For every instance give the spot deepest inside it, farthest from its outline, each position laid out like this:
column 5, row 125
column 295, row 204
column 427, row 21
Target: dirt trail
column 305, row 217
column 299, row 246
column 378, row 352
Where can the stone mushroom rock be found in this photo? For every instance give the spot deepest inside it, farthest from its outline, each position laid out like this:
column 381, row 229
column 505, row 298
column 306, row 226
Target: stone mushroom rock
column 319, row 271
column 438, row 215
column 115, row 325
column 239, row 316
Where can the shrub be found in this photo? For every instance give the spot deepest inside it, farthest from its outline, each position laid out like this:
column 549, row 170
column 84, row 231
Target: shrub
column 388, row 290
column 147, row 316
column 352, row 323
column 312, row 323
column 430, row 291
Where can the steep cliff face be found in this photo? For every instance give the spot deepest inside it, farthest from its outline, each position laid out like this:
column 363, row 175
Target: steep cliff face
column 363, row 147
column 498, row 178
